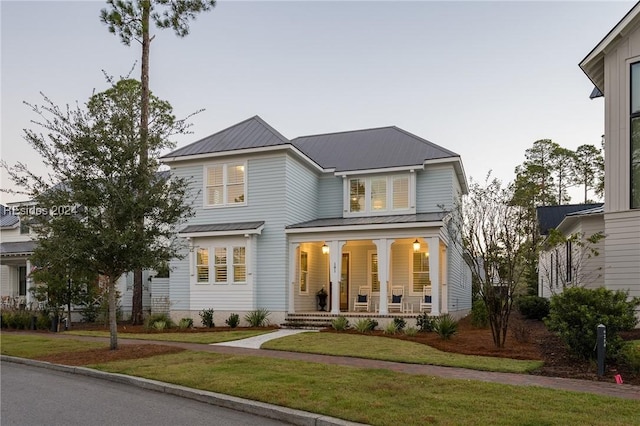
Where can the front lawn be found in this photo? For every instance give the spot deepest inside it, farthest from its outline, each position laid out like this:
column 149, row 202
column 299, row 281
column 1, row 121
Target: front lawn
column 204, row 337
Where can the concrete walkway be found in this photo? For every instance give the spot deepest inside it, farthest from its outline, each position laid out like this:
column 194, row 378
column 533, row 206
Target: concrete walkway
column 257, row 341
column 600, row 388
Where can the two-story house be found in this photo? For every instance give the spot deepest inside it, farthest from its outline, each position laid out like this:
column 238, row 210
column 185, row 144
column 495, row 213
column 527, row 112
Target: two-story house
column 360, row 214
column 614, row 67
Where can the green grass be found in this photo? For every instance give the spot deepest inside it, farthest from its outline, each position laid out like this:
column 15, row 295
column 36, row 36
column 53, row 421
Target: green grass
column 31, row 346
column 371, row 347
column 204, row 337
column 379, row 397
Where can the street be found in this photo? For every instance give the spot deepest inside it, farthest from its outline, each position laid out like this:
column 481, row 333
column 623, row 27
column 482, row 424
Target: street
column 37, row 396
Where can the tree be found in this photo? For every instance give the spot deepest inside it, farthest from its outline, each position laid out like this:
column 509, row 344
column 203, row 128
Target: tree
column 589, row 169
column 494, row 246
column 131, row 20
column 538, row 170
column 562, row 165
column 87, row 207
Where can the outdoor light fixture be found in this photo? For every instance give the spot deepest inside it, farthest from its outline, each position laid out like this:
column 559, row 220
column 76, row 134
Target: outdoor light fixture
column 416, row 245
column 325, row 249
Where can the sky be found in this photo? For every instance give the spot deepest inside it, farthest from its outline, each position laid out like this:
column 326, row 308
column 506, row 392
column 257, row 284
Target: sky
column 482, row 79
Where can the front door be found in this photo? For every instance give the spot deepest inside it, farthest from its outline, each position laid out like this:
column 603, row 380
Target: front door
column 22, row 281
column 344, row 283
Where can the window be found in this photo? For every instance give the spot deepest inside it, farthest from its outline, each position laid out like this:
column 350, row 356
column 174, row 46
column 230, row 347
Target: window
column 379, row 195
column 202, row 265
column 225, row 184
column 304, row 272
column 220, row 264
column 420, row 271
column 24, row 228
column 635, row 137
column 374, row 280
column 239, row 265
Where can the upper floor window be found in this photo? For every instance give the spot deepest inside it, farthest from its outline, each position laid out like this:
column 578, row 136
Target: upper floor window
column 377, row 195
column 225, row 184
column 634, row 182
column 24, row 228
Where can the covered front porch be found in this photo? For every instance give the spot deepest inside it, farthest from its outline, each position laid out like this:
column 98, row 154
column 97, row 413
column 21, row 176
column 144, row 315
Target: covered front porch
column 370, row 272
column 15, row 268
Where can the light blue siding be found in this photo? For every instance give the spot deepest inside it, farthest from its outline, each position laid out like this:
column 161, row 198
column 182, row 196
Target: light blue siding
column 330, row 194
column 435, row 188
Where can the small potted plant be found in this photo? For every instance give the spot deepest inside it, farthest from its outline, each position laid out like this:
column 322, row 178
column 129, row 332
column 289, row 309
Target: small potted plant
column 321, row 295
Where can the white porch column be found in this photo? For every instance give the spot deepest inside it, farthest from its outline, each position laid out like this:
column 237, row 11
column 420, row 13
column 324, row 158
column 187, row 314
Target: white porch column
column 293, row 279
column 434, row 273
column 335, row 268
column 29, row 283
column 383, row 247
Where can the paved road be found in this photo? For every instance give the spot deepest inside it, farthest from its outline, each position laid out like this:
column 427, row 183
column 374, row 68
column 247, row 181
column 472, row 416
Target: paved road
column 37, row 396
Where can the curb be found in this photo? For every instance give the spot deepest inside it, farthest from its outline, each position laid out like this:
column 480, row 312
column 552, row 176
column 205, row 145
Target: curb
column 275, row 412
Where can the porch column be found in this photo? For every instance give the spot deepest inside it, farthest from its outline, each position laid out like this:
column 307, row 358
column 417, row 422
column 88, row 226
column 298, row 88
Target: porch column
column 29, row 283
column 335, row 268
column 383, row 247
column 434, row 273
column 293, row 279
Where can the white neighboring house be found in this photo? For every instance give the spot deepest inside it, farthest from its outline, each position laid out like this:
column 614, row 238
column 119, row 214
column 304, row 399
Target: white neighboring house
column 17, row 242
column 614, row 68
column 576, row 262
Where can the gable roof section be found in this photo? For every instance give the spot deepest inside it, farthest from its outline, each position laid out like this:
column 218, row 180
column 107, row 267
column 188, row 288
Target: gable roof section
column 551, row 216
column 593, row 63
column 251, row 133
column 384, row 147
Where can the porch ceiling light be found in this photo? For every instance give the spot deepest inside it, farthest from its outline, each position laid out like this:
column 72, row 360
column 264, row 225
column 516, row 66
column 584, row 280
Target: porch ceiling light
column 416, row 245
column 325, row 249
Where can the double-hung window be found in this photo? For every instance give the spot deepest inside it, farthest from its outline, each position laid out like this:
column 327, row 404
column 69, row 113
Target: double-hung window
column 304, row 272
column 221, row 265
column 374, row 279
column 420, row 271
column 379, row 195
column 225, row 184
column 202, row 265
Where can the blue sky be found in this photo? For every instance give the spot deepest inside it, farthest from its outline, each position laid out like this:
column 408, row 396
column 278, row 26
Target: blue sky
column 483, row 79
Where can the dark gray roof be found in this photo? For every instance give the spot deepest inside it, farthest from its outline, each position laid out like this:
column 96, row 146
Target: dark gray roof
column 18, row 247
column 595, row 93
column 372, row 220
column 551, row 216
column 222, row 227
column 251, row 133
column 595, row 210
column 370, row 149
column 6, row 218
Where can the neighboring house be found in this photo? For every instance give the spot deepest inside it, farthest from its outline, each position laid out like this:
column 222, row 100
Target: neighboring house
column 614, row 68
column 16, row 245
column 576, row 262
column 277, row 220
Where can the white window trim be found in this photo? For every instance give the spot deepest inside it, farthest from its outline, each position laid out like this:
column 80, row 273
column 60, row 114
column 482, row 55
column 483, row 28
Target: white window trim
column 196, row 265
column 411, row 253
column 368, row 211
column 225, row 184
column 300, row 291
column 229, row 264
column 233, row 265
column 369, row 272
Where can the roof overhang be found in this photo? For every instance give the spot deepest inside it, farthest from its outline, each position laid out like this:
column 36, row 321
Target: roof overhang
column 367, row 227
column 222, row 230
column 593, row 63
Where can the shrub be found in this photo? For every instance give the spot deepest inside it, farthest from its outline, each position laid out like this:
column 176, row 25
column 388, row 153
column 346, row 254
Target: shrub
column 365, row 325
column 445, row 326
column 159, row 325
column 20, row 320
column 400, row 323
column 391, row 328
column 233, row 320
column 411, row 331
column 43, row 322
column 90, row 313
column 258, row 318
column 575, row 314
column 479, row 314
column 185, row 323
column 150, row 322
column 207, row 317
column 340, row 323
column 533, row 307
column 630, row 355
column 424, row 322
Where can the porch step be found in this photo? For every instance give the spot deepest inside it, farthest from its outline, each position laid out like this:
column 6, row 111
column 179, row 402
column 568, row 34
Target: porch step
column 307, row 321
